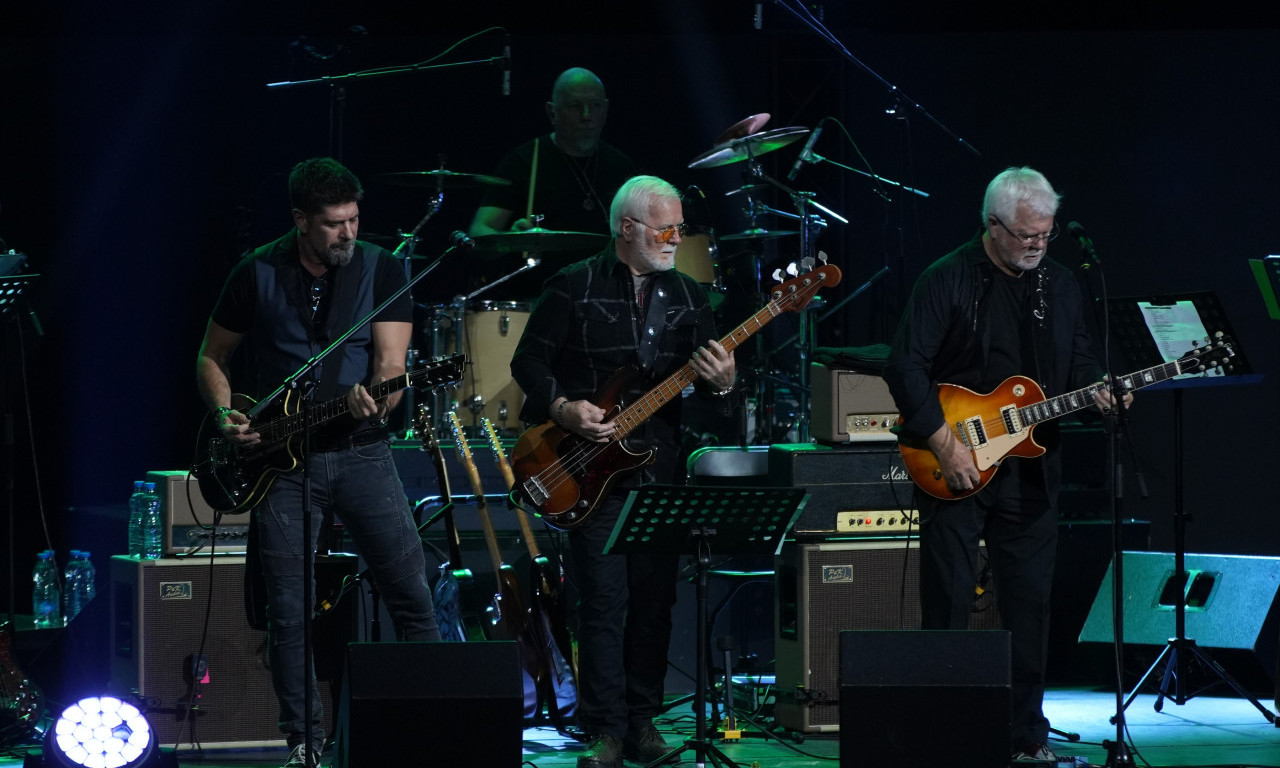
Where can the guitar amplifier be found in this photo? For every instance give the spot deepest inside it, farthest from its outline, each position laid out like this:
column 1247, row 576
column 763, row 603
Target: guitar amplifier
column 188, row 520
column 847, row 406
column 860, row 489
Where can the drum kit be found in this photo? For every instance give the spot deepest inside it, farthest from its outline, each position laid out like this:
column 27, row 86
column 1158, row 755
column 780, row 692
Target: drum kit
column 487, row 331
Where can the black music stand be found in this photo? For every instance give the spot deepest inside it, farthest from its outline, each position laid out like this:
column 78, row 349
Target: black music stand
column 680, row 520
column 1137, row 335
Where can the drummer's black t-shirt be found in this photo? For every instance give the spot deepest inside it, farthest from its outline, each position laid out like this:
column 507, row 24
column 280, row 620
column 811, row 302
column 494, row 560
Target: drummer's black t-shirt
column 572, row 194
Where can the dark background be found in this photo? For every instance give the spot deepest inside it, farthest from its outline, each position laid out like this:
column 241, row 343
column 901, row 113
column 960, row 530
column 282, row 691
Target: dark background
column 143, row 153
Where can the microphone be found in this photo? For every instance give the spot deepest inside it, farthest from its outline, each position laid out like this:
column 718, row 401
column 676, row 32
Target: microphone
column 459, row 239
column 806, row 154
column 1076, row 230
column 506, row 65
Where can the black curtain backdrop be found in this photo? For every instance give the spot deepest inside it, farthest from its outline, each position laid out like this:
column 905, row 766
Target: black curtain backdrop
column 143, row 153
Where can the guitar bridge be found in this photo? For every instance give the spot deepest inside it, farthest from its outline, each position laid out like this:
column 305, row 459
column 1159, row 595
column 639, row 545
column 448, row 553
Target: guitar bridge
column 535, row 491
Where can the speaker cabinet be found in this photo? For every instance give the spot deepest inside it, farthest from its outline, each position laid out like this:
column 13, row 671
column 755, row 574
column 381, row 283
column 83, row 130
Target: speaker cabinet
column 1232, row 609
column 888, row 679
column 158, row 610
column 467, row 696
column 824, row 588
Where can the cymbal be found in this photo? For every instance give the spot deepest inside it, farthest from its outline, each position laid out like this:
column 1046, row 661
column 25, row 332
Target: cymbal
column 760, row 234
column 450, row 179
column 539, row 239
column 748, row 146
column 744, row 127
column 747, row 188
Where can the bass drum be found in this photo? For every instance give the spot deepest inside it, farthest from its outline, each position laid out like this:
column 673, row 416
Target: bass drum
column 696, row 257
column 487, row 335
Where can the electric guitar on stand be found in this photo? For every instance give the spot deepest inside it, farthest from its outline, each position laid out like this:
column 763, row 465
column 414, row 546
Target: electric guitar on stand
column 21, row 701
column 455, row 596
column 999, row 424
column 546, row 618
column 505, row 616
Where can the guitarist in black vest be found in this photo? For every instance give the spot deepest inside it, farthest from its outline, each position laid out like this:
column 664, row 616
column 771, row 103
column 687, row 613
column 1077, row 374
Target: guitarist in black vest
column 287, row 299
column 991, row 309
column 626, row 306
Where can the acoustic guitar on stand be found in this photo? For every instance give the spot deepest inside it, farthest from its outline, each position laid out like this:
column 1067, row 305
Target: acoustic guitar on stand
column 563, row 476
column 999, row 424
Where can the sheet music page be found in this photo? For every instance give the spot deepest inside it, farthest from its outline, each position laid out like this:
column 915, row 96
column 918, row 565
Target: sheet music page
column 1176, row 328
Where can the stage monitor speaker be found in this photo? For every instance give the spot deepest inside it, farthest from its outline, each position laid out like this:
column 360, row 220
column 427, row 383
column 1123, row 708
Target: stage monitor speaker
column 824, row 588
column 431, row 703
column 889, row 678
column 157, row 617
column 1232, row 609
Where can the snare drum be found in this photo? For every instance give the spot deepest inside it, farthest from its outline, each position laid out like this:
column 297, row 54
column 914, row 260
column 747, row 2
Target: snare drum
column 696, row 257
column 488, row 335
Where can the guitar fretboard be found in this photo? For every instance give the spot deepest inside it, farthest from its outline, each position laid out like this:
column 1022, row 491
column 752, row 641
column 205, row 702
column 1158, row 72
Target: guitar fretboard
column 1061, row 405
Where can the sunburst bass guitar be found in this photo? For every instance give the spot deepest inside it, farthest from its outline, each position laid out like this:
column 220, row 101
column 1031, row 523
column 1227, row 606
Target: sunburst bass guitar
column 562, row 476
column 999, row 424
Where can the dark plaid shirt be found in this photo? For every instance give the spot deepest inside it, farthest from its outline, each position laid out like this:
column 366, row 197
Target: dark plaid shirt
column 587, row 325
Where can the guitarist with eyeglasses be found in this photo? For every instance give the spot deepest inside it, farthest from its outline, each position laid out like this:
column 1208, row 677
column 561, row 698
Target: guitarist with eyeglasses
column 994, row 308
column 289, row 298
column 624, row 310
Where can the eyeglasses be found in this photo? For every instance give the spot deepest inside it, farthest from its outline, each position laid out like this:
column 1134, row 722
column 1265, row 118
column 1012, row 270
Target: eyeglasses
column 318, row 289
column 1029, row 239
column 665, row 234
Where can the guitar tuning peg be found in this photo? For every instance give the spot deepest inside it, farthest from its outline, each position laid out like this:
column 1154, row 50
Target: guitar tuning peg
column 806, row 263
column 778, row 275
column 792, row 269
column 822, row 256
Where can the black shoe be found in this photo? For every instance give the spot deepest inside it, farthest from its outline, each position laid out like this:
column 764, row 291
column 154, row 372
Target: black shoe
column 605, row 752
column 1033, row 754
column 644, row 745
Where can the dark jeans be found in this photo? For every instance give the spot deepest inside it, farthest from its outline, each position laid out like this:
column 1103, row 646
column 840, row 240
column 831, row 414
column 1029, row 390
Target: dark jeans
column 1021, row 540
column 624, row 626
column 361, row 487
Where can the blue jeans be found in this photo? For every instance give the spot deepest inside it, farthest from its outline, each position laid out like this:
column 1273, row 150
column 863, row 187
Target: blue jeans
column 361, row 487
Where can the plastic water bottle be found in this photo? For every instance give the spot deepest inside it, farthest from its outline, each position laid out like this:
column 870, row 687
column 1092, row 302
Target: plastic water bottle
column 135, row 519
column 71, row 578
column 152, row 545
column 88, row 579
column 46, row 598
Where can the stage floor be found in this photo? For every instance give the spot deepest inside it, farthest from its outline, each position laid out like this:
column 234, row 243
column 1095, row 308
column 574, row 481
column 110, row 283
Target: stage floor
column 1205, row 731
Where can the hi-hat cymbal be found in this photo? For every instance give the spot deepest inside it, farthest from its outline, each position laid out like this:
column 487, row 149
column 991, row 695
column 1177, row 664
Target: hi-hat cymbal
column 432, row 179
column 748, row 146
column 538, row 239
column 760, row 234
column 742, row 128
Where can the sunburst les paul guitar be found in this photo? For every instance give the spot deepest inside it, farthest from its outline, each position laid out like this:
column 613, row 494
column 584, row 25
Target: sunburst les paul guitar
column 999, row 424
column 234, row 478
column 563, row 477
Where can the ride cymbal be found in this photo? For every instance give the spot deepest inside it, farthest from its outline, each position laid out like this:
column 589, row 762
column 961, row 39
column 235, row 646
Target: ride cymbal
column 538, row 239
column 433, row 179
column 748, row 146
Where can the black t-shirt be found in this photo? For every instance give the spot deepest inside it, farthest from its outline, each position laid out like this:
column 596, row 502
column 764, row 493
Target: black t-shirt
column 572, row 194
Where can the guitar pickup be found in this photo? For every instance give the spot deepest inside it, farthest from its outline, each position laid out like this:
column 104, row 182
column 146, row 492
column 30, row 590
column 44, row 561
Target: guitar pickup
column 1012, row 421
column 975, row 431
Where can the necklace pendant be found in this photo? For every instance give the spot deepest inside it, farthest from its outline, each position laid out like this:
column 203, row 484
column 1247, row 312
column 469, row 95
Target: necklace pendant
column 588, row 204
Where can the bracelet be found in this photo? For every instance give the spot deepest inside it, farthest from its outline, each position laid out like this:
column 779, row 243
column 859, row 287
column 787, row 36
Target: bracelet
column 725, row 392
column 223, row 410
column 560, row 412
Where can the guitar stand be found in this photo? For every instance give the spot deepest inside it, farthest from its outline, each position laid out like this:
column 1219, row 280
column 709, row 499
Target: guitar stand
column 668, row 519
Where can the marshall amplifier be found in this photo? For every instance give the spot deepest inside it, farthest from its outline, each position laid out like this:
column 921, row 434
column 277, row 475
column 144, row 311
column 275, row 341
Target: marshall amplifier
column 860, row 489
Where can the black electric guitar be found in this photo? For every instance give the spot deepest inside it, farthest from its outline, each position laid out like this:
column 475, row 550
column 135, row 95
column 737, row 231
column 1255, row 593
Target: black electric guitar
column 21, row 701
column 999, row 424
column 563, row 476
column 505, row 618
column 234, row 478
column 455, row 596
column 558, row 691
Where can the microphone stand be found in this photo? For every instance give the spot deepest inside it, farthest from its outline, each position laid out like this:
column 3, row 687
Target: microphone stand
column 294, row 383
column 1117, row 427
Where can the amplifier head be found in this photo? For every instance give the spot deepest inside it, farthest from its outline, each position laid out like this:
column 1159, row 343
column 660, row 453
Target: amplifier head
column 846, row 406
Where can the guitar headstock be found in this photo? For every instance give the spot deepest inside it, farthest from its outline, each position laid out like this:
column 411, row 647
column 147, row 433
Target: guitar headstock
column 440, row 372
column 1215, row 353
column 423, row 429
column 491, row 434
column 796, row 293
column 459, row 437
